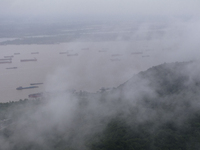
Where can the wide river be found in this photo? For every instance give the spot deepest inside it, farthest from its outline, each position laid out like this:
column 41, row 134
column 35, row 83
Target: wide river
column 77, row 65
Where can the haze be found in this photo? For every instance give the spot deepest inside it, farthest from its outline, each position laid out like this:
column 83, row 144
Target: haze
column 29, row 8
column 164, row 31
column 93, row 61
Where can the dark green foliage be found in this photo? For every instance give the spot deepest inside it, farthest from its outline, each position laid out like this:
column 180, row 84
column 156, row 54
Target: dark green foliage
column 119, row 136
column 156, row 110
column 169, row 136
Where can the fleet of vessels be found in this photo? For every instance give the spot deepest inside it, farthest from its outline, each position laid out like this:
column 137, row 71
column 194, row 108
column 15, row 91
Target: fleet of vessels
column 8, row 59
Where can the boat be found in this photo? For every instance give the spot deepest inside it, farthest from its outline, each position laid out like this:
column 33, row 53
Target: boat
column 145, row 56
column 115, row 59
column 102, row 51
column 136, row 53
column 72, row 54
column 16, row 53
column 12, row 68
column 25, row 60
column 5, row 59
column 63, row 53
column 3, row 62
column 35, row 95
column 115, row 55
column 35, row 53
column 85, row 48
column 8, row 56
column 28, row 87
column 36, row 83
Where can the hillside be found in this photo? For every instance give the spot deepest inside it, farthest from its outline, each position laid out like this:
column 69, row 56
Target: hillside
column 157, row 109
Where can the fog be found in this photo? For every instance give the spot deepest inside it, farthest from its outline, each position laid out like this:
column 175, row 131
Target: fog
column 118, row 8
column 76, row 119
column 112, row 44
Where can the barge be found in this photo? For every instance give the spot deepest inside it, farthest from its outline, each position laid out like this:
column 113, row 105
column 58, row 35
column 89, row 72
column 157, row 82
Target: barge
column 35, row 95
column 72, row 54
column 28, row 87
column 63, row 53
column 8, row 56
column 3, row 59
column 25, row 60
column 35, row 53
column 4, row 62
column 136, row 53
column 12, row 68
column 35, row 83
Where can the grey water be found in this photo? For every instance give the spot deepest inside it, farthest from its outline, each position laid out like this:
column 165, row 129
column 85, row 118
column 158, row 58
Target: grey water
column 75, row 65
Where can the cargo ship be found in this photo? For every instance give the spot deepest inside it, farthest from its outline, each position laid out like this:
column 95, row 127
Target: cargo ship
column 145, row 56
column 8, row 56
column 85, row 48
column 35, row 95
column 28, row 87
column 5, row 61
column 12, row 68
column 136, row 53
column 115, row 55
column 72, row 54
column 35, row 53
column 63, row 53
column 25, row 60
column 36, row 83
column 102, row 51
column 116, row 59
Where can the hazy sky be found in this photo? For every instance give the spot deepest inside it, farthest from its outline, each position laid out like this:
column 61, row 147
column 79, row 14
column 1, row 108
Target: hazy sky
column 99, row 7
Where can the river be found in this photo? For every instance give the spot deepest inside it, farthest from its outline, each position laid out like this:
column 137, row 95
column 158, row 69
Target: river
column 86, row 65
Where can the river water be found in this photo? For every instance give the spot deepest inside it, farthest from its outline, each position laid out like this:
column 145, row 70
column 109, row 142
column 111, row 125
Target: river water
column 95, row 65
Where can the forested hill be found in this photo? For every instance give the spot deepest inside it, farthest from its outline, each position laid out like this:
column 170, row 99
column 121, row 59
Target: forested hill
column 160, row 109
column 167, row 78
column 157, row 109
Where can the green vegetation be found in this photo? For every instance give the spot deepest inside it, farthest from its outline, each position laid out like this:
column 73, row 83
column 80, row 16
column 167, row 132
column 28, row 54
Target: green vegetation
column 168, row 136
column 157, row 109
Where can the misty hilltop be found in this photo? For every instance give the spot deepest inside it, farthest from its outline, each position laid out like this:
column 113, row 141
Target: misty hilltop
column 167, row 78
column 155, row 109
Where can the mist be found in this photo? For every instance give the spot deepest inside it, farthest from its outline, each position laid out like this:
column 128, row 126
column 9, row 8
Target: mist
column 89, row 7
column 77, row 118
column 133, row 61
